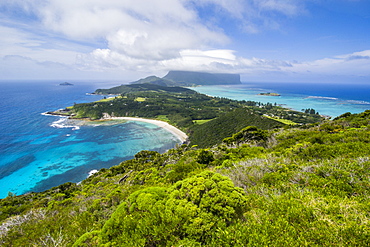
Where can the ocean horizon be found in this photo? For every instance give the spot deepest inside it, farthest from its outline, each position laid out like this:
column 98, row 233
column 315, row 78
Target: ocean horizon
column 38, row 152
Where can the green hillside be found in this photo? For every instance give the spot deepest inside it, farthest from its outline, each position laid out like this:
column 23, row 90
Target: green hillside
column 296, row 186
column 214, row 131
column 159, row 81
column 151, row 86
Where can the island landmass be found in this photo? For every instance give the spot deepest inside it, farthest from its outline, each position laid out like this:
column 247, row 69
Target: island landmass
column 269, row 94
column 65, row 84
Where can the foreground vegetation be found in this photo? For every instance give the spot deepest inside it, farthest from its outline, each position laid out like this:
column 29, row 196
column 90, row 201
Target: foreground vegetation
column 292, row 186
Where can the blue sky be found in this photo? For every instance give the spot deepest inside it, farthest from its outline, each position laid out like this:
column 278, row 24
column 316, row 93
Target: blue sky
column 124, row 40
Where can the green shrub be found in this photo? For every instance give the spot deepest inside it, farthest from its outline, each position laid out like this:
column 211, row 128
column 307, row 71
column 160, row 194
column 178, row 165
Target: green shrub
column 189, row 211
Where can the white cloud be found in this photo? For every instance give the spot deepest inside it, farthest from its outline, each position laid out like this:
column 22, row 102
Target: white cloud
column 20, row 67
column 123, row 36
column 256, row 15
column 286, row 7
column 356, row 64
column 21, row 43
column 155, row 42
column 138, row 31
column 137, row 28
column 235, row 8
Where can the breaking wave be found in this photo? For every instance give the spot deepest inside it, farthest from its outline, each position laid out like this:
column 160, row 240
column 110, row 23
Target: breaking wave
column 322, row 97
column 64, row 122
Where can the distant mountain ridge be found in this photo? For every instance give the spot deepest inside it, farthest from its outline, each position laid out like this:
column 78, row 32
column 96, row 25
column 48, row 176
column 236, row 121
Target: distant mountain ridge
column 190, row 78
column 174, row 79
column 156, row 80
column 202, row 78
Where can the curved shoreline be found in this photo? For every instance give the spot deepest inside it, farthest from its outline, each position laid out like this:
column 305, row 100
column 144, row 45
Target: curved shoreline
column 170, row 128
column 178, row 133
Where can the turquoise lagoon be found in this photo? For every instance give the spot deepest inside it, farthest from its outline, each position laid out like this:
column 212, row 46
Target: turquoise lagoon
column 328, row 99
column 38, row 152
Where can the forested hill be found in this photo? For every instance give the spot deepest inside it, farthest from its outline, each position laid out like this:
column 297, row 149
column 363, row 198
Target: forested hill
column 294, row 186
column 140, row 87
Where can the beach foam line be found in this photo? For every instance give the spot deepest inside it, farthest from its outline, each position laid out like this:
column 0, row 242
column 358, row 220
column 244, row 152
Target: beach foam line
column 92, row 172
column 358, row 102
column 322, row 97
column 178, row 133
column 61, row 123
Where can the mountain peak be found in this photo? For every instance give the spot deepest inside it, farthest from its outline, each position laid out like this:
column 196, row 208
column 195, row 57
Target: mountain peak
column 202, row 78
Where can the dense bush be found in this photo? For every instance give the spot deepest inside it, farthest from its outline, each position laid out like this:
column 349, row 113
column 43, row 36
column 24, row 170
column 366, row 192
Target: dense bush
column 306, row 186
column 190, row 210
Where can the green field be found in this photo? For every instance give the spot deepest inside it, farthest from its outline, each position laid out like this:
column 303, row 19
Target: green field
column 282, row 120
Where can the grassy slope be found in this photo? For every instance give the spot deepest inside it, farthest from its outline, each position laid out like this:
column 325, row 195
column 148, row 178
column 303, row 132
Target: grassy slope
column 306, row 187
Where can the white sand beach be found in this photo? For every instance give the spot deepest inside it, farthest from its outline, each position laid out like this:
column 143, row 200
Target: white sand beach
column 181, row 135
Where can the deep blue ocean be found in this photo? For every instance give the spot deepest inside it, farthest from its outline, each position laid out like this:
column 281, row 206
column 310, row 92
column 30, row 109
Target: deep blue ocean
column 38, row 152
